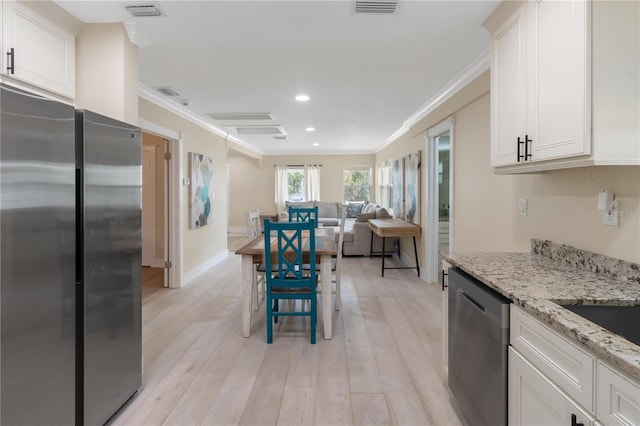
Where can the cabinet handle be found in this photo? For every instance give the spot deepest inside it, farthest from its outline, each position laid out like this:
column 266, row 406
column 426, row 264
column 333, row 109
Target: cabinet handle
column 527, row 141
column 11, row 58
column 444, row 274
column 574, row 421
column 520, row 156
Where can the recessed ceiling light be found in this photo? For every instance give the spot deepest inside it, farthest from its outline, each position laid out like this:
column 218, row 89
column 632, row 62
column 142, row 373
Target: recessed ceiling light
column 316, row 144
column 310, row 129
column 302, row 98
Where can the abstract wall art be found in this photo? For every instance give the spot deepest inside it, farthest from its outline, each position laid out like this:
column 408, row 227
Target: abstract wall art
column 201, row 190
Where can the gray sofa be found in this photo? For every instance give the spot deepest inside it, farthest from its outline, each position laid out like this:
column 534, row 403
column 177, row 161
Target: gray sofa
column 357, row 235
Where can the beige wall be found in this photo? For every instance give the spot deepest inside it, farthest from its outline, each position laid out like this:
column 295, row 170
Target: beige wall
column 107, row 72
column 203, row 244
column 562, row 204
column 252, row 182
column 160, row 144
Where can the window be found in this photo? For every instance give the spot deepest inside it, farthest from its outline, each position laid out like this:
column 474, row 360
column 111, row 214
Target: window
column 385, row 184
column 357, row 183
column 295, row 184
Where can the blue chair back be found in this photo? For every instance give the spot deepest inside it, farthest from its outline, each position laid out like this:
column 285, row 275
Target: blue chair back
column 303, row 214
column 287, row 247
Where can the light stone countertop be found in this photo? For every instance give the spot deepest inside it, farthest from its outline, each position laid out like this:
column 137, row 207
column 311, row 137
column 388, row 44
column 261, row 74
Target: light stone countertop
column 535, row 282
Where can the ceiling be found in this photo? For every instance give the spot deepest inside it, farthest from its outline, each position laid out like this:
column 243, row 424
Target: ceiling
column 366, row 74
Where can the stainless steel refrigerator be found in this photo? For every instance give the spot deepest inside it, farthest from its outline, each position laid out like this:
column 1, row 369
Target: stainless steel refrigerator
column 70, row 253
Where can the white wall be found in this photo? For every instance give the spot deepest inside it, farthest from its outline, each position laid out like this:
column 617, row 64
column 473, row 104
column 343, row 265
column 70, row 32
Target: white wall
column 210, row 242
column 562, row 204
column 107, row 72
column 253, row 181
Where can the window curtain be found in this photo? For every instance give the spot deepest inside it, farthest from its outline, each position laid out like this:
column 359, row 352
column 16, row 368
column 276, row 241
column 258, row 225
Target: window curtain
column 282, row 187
column 312, row 183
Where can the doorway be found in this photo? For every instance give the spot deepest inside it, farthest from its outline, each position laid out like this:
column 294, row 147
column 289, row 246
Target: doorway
column 440, row 197
column 154, row 208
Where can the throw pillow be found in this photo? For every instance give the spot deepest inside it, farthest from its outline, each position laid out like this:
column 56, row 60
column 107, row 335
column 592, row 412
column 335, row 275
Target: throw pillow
column 299, row 204
column 382, row 213
column 354, row 209
column 364, row 217
column 327, row 209
column 369, row 207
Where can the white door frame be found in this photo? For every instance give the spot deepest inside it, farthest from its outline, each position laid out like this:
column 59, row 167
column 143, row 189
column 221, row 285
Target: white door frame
column 173, row 251
column 431, row 242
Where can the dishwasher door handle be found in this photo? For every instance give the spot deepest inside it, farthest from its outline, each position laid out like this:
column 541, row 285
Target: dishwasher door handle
column 471, row 300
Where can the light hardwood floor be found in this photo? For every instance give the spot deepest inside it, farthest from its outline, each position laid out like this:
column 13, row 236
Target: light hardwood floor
column 383, row 365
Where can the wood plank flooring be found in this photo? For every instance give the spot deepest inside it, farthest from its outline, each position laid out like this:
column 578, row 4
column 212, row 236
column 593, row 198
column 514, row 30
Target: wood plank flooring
column 382, row 367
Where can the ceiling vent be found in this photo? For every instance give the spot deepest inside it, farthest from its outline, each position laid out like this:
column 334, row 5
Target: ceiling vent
column 376, row 6
column 260, row 130
column 237, row 116
column 281, row 138
column 167, row 91
column 139, row 10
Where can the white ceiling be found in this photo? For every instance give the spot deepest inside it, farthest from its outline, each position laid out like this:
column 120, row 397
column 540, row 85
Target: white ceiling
column 366, row 74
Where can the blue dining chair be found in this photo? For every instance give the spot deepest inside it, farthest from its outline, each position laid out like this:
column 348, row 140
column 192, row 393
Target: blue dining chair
column 303, row 214
column 294, row 243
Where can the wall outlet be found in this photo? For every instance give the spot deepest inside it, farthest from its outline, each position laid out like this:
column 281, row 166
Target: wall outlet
column 522, row 206
column 604, row 200
column 612, row 214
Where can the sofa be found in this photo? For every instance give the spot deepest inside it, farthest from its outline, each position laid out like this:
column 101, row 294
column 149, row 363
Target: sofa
column 357, row 235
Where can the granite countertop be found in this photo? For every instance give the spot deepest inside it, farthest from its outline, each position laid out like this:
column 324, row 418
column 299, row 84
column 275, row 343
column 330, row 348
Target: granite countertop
column 552, row 274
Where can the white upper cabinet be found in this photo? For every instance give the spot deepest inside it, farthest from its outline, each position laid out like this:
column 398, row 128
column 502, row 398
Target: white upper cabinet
column 565, row 84
column 508, row 87
column 36, row 51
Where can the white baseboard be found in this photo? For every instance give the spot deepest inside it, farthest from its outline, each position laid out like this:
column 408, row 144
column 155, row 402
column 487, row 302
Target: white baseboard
column 203, row 267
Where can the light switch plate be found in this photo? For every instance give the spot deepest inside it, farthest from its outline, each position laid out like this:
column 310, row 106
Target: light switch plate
column 522, row 206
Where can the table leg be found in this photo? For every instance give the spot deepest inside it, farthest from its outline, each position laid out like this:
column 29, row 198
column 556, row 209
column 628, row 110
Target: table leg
column 325, row 282
column 371, row 246
column 247, row 292
column 415, row 251
column 383, row 244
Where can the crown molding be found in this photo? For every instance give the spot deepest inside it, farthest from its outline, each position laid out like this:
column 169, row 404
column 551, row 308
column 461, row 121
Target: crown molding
column 156, row 98
column 471, row 72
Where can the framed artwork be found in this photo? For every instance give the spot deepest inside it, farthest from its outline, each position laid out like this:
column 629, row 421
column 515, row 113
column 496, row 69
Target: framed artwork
column 398, row 193
column 201, row 192
column 412, row 188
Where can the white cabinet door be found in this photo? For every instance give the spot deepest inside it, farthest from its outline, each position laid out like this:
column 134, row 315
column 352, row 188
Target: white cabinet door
column 536, row 401
column 558, row 83
column 617, row 397
column 36, row 51
column 508, row 88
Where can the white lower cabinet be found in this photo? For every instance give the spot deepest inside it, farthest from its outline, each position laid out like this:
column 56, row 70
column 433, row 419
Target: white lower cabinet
column 535, row 400
column 617, row 397
column 551, row 380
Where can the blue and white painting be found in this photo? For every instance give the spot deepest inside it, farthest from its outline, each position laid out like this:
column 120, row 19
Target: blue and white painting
column 201, row 190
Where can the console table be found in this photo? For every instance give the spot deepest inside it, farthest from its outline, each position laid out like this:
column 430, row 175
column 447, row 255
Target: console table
column 394, row 228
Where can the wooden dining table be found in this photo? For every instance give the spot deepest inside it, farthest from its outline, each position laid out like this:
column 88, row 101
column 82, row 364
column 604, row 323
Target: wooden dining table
column 253, row 252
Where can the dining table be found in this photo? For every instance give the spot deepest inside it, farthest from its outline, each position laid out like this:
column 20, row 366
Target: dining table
column 253, row 253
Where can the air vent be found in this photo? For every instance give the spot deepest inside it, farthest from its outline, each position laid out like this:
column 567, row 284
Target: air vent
column 376, row 6
column 281, row 138
column 237, row 116
column 143, row 10
column 167, row 91
column 260, row 130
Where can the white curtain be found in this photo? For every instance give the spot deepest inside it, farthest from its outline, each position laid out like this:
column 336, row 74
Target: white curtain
column 312, row 183
column 282, row 187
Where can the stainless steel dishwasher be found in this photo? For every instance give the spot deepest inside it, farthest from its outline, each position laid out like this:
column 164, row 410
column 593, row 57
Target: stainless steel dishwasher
column 478, row 341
